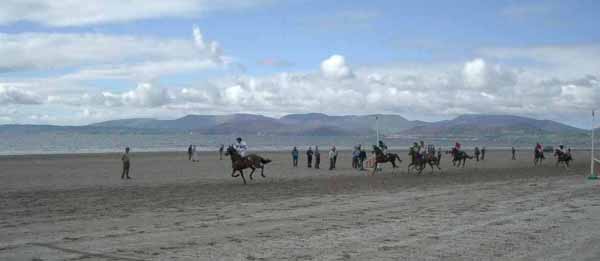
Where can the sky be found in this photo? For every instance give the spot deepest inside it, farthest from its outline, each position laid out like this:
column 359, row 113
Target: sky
column 74, row 62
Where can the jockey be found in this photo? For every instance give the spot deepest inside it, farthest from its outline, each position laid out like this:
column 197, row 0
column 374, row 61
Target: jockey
column 422, row 149
column 561, row 149
column 241, row 147
column 456, row 148
column 539, row 148
column 383, row 147
column 415, row 148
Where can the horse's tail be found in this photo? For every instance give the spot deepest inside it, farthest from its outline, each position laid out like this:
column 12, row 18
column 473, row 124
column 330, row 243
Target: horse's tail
column 264, row 161
column 398, row 157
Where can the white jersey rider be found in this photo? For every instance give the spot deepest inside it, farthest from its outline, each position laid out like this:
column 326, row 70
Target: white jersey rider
column 422, row 150
column 241, row 147
column 561, row 149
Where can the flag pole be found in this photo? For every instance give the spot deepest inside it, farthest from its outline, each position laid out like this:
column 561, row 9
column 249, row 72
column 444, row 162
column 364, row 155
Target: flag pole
column 377, row 128
column 592, row 158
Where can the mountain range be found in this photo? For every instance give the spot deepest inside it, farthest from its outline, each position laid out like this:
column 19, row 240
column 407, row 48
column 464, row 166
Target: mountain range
column 311, row 124
column 318, row 124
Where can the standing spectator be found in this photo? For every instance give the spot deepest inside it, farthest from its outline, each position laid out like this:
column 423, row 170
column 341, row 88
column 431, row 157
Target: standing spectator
column 362, row 156
column 483, row 153
column 295, row 157
column 317, row 157
column 332, row 157
column 309, row 155
column 190, row 152
column 221, row 149
column 126, row 164
column 477, row 153
column 514, row 151
column 195, row 154
column 355, row 155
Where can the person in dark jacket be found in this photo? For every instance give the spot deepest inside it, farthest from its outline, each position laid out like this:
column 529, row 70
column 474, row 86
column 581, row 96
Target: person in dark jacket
column 362, row 156
column 190, row 152
column 483, row 153
column 317, row 157
column 514, row 151
column 126, row 164
column 295, row 157
column 309, row 156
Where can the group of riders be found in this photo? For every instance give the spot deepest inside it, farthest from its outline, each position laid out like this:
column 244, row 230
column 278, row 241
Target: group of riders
column 420, row 154
column 563, row 155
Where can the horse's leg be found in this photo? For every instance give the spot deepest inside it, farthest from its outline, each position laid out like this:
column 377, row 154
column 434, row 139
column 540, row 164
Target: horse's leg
column 233, row 173
column 262, row 171
column 243, row 178
column 252, row 172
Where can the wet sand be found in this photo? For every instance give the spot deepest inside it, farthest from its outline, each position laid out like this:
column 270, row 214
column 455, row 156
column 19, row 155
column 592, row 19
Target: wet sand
column 76, row 207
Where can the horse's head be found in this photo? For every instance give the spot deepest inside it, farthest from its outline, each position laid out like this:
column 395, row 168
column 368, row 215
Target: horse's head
column 230, row 151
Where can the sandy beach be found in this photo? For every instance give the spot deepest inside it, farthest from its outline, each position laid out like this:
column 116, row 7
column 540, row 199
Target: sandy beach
column 76, row 207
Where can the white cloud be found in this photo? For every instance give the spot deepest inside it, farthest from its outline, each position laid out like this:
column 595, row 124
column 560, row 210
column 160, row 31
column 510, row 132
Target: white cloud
column 212, row 48
column 480, row 85
column 554, row 60
column 29, row 51
column 475, row 73
column 12, row 95
column 146, row 71
column 336, row 67
column 144, row 95
column 77, row 13
column 480, row 75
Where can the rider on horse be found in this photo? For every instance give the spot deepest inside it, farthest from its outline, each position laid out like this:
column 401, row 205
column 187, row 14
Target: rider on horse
column 539, row 149
column 561, row 149
column 456, row 149
column 241, row 147
column 383, row 147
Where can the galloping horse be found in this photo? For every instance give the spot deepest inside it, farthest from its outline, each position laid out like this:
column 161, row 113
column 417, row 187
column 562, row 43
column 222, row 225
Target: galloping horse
column 419, row 164
column 459, row 156
column 538, row 157
column 415, row 162
column 562, row 157
column 239, row 163
column 380, row 157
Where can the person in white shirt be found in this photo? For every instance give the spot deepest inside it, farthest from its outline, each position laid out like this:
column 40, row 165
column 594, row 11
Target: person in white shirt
column 241, row 147
column 332, row 157
column 561, row 149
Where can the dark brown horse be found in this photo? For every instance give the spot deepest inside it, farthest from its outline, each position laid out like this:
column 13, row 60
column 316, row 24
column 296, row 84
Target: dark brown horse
column 562, row 157
column 239, row 163
column 458, row 157
column 381, row 157
column 419, row 163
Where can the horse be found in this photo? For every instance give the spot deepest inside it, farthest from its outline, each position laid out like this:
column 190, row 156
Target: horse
column 538, row 157
column 416, row 163
column 239, row 163
column 381, row 157
column 419, row 164
column 460, row 156
column 563, row 158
